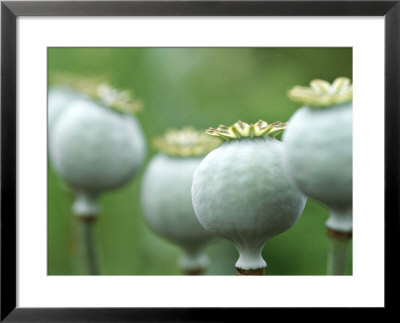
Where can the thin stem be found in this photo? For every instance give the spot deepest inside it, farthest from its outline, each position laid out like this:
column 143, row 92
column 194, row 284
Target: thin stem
column 86, row 246
column 338, row 250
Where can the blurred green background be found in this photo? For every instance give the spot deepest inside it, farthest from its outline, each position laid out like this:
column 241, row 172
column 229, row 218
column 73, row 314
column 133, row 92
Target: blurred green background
column 202, row 87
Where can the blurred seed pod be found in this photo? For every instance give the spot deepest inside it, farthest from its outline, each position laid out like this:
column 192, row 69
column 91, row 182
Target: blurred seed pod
column 93, row 146
column 166, row 193
column 318, row 147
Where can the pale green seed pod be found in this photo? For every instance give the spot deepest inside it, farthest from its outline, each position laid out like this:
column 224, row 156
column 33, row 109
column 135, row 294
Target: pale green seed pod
column 318, row 147
column 59, row 99
column 95, row 147
column 166, row 194
column 240, row 191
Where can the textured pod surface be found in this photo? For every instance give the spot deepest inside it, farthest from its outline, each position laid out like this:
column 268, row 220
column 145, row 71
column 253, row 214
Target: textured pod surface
column 318, row 154
column 59, row 98
column 240, row 192
column 167, row 202
column 96, row 149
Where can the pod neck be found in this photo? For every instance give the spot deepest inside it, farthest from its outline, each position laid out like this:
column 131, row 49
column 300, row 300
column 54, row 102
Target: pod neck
column 86, row 206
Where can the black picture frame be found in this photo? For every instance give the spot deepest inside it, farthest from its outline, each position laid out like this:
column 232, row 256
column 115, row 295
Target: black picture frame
column 11, row 10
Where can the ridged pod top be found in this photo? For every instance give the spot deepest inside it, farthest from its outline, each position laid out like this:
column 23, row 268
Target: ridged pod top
column 187, row 142
column 99, row 89
column 323, row 94
column 242, row 129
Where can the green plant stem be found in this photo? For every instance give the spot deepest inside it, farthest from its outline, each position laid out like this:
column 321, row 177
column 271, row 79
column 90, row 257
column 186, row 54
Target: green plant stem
column 338, row 250
column 86, row 246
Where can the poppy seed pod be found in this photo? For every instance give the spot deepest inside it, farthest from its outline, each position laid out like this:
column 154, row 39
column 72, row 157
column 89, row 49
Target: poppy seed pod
column 240, row 191
column 166, row 194
column 96, row 144
column 59, row 99
column 318, row 147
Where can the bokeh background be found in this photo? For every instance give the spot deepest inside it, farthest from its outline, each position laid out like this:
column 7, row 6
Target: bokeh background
column 202, row 87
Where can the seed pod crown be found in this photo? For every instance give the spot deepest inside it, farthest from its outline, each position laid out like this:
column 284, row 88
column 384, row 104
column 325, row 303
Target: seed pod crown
column 187, row 142
column 242, row 129
column 100, row 90
column 321, row 93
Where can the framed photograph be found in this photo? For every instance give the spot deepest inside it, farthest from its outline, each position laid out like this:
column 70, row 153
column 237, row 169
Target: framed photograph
column 155, row 151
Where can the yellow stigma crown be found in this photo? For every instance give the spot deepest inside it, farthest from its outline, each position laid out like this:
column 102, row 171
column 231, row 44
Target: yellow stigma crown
column 187, row 142
column 241, row 130
column 323, row 94
column 99, row 89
